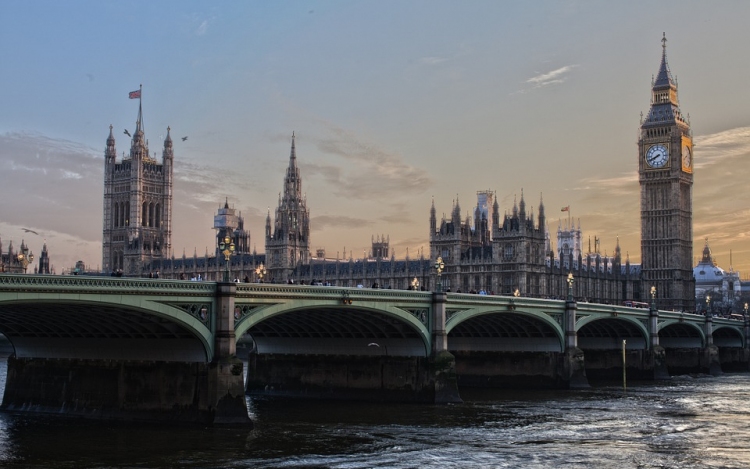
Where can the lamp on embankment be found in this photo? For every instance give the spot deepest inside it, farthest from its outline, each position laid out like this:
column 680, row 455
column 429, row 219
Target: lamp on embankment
column 226, row 246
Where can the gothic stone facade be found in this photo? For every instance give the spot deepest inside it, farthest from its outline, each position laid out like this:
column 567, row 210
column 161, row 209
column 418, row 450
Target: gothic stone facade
column 137, row 205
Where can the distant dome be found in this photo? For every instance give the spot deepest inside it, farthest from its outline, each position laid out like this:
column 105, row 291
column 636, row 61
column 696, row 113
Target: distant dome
column 706, row 273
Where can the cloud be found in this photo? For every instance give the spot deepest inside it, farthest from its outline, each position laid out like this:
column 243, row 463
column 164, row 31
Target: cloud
column 721, row 147
column 202, row 28
column 432, row 60
column 623, row 184
column 368, row 171
column 331, row 221
column 550, row 78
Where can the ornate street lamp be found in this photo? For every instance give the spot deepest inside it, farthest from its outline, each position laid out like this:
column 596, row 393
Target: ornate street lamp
column 226, row 246
column 439, row 267
column 745, row 310
column 25, row 258
column 260, row 271
column 415, row 284
column 517, row 293
column 708, row 303
column 570, row 286
column 653, row 296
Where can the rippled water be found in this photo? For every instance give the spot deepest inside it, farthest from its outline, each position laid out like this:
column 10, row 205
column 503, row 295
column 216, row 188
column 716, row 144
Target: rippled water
column 687, row 423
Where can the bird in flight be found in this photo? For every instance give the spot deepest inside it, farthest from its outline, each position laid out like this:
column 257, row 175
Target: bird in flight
column 29, row 231
column 127, row 133
column 184, row 138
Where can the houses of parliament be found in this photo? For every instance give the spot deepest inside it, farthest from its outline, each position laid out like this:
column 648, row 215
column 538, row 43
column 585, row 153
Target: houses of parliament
column 509, row 254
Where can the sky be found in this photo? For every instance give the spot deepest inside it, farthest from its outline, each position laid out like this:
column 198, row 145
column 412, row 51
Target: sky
column 394, row 104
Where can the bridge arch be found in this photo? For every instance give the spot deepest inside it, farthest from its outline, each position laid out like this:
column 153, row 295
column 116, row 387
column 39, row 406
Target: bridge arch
column 607, row 333
column 681, row 334
column 503, row 330
column 331, row 328
column 728, row 336
column 113, row 327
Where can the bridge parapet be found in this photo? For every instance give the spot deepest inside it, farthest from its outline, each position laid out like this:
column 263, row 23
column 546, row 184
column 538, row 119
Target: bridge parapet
column 256, row 290
column 75, row 283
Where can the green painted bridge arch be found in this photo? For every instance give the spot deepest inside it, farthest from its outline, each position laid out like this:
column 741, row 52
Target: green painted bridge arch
column 484, row 323
column 676, row 332
column 46, row 316
column 322, row 320
column 604, row 327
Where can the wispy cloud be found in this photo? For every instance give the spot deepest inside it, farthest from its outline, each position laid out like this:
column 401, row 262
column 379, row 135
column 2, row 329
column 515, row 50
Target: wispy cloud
column 434, row 60
column 202, row 28
column 368, row 171
column 721, row 147
column 550, row 78
column 329, row 221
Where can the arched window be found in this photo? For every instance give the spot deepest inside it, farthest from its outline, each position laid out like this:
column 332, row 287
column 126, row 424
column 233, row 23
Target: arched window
column 117, row 215
column 144, row 215
column 157, row 216
column 151, row 215
column 127, row 213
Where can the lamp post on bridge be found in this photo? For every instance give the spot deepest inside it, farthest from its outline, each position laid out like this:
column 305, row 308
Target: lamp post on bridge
column 260, row 272
column 708, row 304
column 570, row 281
column 25, row 258
column 415, row 284
column 226, row 246
column 653, row 323
column 439, row 267
column 746, row 321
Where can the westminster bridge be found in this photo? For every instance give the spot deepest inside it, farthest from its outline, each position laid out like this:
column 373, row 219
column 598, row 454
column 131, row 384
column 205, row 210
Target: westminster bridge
column 109, row 347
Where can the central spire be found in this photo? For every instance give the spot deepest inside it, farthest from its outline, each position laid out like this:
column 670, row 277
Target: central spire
column 665, row 106
column 664, row 77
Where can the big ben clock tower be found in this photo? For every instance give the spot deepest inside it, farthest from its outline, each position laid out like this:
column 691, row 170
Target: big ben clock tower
column 665, row 170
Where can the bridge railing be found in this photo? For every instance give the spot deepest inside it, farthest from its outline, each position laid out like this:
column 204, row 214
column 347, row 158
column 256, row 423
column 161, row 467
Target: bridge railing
column 122, row 285
column 301, row 291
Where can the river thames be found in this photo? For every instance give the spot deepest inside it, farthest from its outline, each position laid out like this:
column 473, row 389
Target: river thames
column 689, row 422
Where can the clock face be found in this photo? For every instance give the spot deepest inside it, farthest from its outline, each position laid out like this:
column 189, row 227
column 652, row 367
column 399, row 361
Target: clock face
column 687, row 157
column 657, row 156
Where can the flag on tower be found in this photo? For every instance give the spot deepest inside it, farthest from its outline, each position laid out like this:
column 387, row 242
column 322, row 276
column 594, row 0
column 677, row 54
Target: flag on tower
column 565, row 209
column 135, row 94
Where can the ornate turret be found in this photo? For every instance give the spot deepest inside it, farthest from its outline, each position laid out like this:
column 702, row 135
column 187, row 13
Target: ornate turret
column 433, row 218
column 495, row 216
column 288, row 246
column 110, row 153
column 542, row 218
column 706, row 258
column 44, row 261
